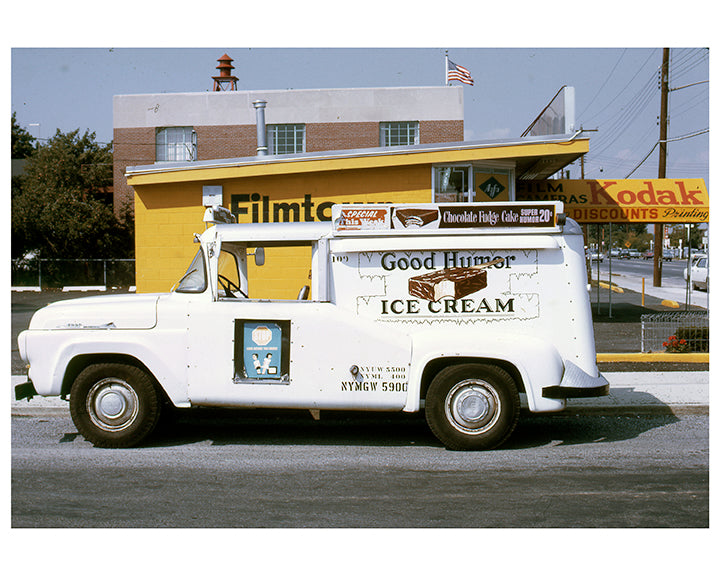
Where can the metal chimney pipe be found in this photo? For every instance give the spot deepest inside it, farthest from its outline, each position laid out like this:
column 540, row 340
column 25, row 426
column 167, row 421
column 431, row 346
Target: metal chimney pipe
column 262, row 148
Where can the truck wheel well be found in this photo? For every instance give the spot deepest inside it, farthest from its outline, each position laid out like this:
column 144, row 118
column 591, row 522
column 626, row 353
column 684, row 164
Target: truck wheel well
column 435, row 366
column 79, row 363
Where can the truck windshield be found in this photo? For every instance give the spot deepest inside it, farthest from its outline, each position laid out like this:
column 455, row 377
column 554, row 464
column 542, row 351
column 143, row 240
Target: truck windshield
column 194, row 279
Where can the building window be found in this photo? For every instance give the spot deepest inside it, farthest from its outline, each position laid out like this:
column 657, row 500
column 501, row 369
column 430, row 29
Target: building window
column 471, row 183
column 452, row 184
column 175, row 144
column 399, row 133
column 286, row 138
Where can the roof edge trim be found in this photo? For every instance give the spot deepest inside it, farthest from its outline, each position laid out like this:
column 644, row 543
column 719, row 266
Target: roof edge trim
column 347, row 154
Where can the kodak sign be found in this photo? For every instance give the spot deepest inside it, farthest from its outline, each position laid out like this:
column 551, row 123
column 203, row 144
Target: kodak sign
column 600, row 201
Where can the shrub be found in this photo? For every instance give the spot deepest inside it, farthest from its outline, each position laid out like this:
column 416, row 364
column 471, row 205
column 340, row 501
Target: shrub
column 689, row 339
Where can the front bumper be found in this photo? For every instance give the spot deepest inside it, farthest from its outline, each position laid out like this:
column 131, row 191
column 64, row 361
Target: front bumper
column 25, row 390
column 576, row 383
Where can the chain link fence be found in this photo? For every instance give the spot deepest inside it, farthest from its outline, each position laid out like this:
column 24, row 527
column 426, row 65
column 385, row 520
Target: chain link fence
column 676, row 332
column 42, row 273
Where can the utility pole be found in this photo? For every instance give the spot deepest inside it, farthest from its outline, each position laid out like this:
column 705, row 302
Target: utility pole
column 660, row 228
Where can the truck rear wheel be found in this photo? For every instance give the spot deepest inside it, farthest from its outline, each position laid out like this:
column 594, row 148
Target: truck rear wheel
column 114, row 405
column 472, row 406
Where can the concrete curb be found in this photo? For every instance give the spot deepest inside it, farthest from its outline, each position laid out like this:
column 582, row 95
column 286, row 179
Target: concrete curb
column 659, row 410
column 684, row 358
column 658, row 393
column 612, row 287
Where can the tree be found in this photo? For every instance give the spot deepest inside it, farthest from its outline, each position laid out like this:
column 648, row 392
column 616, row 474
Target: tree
column 633, row 236
column 58, row 211
column 678, row 236
column 22, row 141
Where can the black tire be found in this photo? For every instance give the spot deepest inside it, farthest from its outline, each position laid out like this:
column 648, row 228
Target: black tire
column 114, row 405
column 472, row 406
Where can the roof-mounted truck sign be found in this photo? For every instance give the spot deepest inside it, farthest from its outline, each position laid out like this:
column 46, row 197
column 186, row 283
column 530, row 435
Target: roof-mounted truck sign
column 447, row 218
column 463, row 311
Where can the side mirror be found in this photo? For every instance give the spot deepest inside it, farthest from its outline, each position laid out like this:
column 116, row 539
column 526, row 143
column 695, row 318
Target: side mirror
column 259, row 256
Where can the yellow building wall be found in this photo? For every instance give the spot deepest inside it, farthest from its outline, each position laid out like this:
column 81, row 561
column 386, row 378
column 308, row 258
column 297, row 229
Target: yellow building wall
column 167, row 215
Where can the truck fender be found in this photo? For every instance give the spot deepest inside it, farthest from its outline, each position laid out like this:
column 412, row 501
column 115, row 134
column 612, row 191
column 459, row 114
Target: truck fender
column 172, row 378
column 537, row 361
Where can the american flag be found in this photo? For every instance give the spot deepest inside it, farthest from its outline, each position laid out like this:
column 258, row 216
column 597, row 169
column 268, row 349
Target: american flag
column 459, row 73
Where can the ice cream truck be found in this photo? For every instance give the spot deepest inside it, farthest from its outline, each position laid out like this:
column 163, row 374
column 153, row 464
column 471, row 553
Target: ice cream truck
column 462, row 311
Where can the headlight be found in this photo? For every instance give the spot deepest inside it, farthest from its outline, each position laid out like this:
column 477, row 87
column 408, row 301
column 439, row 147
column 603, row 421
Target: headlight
column 22, row 346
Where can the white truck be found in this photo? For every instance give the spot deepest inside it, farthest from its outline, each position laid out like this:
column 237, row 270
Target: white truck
column 460, row 310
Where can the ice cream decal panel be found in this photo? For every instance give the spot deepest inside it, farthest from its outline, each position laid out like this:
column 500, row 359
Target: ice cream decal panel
column 431, row 286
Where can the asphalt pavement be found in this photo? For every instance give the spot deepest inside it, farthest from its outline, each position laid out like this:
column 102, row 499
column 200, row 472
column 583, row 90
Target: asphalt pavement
column 665, row 383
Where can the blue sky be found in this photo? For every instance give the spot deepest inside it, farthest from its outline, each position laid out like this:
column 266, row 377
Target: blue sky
column 616, row 90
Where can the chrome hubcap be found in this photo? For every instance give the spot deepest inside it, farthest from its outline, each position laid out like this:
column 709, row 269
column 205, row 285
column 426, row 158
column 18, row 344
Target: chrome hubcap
column 472, row 406
column 112, row 404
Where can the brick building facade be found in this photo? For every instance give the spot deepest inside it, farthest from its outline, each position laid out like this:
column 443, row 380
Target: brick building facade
column 222, row 125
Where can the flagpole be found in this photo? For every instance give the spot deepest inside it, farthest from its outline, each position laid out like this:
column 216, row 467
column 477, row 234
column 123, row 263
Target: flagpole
column 446, row 69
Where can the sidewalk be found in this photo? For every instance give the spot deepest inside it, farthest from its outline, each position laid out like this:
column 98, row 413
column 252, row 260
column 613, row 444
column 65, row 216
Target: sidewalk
column 672, row 297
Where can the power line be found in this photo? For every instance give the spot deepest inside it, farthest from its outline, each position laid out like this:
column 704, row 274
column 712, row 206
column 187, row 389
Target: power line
column 643, row 160
column 691, row 135
column 622, row 91
column 689, row 62
column 689, row 105
column 685, row 62
column 607, row 79
column 675, row 139
column 621, row 123
column 689, row 85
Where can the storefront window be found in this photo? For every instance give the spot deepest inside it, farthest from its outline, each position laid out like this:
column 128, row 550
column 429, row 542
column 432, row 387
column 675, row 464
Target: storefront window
column 452, row 184
column 472, row 183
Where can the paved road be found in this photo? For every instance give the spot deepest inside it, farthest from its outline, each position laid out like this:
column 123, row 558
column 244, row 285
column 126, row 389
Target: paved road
column 380, row 471
column 672, row 271
column 628, row 274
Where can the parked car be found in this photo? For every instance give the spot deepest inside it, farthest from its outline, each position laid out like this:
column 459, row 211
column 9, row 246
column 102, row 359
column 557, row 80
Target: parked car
column 633, row 253
column 595, row 256
column 696, row 256
column 698, row 273
column 667, row 255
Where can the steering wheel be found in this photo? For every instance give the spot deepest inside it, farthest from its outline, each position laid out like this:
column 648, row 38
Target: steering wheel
column 228, row 285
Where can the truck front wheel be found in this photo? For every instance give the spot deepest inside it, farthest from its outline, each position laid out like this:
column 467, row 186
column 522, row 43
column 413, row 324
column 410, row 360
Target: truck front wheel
column 114, row 405
column 472, row 406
